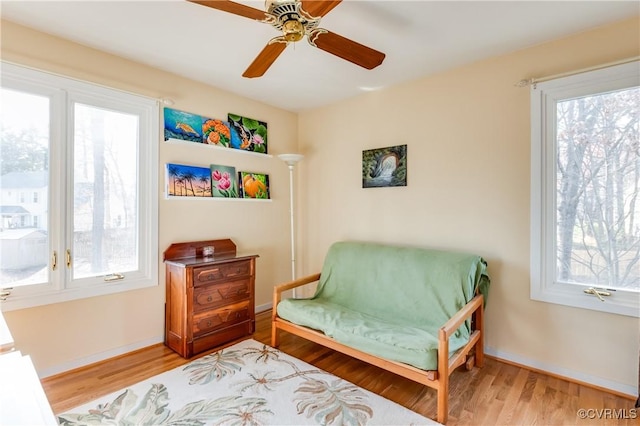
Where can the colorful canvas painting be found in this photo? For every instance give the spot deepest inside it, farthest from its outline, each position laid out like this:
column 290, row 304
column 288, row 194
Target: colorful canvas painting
column 248, row 134
column 187, row 181
column 254, row 185
column 216, row 132
column 182, row 125
column 384, row 167
column 224, row 182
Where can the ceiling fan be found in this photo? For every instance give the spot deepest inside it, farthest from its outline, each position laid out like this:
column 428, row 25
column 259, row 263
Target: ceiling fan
column 295, row 19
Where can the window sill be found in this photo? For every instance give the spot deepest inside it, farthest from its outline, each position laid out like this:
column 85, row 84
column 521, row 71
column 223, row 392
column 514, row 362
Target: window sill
column 620, row 303
column 18, row 301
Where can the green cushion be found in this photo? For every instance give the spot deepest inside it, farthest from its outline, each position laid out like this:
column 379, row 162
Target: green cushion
column 390, row 301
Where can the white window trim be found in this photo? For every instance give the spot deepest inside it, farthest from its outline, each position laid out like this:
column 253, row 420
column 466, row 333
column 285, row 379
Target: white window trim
column 60, row 287
column 544, row 96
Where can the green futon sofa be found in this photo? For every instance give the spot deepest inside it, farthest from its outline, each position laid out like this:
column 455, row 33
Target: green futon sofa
column 413, row 311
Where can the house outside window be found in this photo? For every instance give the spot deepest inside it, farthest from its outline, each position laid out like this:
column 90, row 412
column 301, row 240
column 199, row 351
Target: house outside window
column 585, row 190
column 87, row 154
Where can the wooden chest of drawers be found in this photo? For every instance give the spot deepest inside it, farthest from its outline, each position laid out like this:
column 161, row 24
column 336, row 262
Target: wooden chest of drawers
column 210, row 299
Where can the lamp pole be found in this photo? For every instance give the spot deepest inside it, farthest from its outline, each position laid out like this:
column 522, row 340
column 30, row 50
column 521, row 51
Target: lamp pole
column 292, row 160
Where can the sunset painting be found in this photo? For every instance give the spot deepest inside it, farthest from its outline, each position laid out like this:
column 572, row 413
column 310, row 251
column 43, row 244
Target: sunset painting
column 188, row 181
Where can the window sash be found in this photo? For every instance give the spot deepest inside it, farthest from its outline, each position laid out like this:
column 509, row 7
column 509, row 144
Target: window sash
column 544, row 98
column 64, row 92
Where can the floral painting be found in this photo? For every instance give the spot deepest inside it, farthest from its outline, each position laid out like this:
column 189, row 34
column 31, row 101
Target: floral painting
column 187, row 181
column 384, row 167
column 254, row 185
column 182, row 125
column 216, row 132
column 224, row 183
column 248, row 134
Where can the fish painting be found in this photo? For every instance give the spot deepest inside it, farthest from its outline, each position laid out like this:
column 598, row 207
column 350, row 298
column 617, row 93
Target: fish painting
column 186, row 128
column 248, row 134
column 182, row 125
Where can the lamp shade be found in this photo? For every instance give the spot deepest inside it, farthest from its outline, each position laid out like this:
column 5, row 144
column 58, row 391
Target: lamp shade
column 291, row 159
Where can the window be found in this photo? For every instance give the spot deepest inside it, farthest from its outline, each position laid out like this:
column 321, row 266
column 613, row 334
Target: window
column 585, row 185
column 89, row 155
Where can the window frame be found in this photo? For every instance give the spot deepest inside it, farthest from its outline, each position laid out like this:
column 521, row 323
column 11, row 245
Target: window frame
column 544, row 97
column 63, row 92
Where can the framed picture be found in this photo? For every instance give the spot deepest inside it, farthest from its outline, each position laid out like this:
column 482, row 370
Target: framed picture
column 384, row 167
column 187, row 181
column 223, row 181
column 216, row 132
column 182, row 125
column 254, row 185
column 248, row 134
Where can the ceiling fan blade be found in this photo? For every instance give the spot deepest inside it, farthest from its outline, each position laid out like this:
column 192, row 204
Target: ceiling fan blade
column 266, row 58
column 235, row 8
column 346, row 49
column 317, row 8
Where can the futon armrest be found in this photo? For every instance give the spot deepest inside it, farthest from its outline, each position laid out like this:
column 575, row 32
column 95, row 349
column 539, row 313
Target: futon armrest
column 297, row 283
column 462, row 315
column 279, row 289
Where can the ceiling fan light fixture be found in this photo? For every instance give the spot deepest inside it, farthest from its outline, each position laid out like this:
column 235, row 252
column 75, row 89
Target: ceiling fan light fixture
column 293, row 30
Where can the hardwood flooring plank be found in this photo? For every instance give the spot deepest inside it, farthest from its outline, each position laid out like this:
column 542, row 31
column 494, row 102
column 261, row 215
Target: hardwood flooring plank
column 499, row 393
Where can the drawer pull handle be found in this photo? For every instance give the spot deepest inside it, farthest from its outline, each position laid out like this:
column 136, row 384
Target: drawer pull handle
column 209, row 299
column 210, row 276
column 208, row 323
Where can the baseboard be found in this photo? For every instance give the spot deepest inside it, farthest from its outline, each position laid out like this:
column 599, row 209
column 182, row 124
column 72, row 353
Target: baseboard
column 262, row 308
column 101, row 356
column 81, row 362
column 621, row 389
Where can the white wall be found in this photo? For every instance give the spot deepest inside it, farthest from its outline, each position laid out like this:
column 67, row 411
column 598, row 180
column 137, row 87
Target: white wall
column 467, row 132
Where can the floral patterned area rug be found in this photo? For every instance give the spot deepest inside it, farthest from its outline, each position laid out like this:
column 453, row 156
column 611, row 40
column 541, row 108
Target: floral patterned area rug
column 245, row 384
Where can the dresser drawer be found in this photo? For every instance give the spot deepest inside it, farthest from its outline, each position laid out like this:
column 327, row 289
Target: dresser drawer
column 213, row 295
column 221, row 336
column 209, row 321
column 207, row 274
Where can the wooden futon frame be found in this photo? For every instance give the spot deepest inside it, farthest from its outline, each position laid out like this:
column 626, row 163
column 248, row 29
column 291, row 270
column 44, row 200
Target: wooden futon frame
column 469, row 355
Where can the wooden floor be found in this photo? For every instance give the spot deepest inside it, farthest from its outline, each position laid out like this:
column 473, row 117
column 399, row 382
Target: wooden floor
column 498, row 393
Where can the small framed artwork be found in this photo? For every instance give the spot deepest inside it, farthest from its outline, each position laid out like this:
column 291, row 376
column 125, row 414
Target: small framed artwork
column 216, row 132
column 254, row 185
column 248, row 134
column 187, row 181
column 223, row 181
column 384, row 167
column 182, row 125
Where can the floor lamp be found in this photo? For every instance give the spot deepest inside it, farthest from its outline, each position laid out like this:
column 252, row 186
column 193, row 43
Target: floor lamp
column 292, row 160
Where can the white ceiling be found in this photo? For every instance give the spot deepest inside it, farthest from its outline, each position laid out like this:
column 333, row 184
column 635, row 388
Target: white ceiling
column 215, row 47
